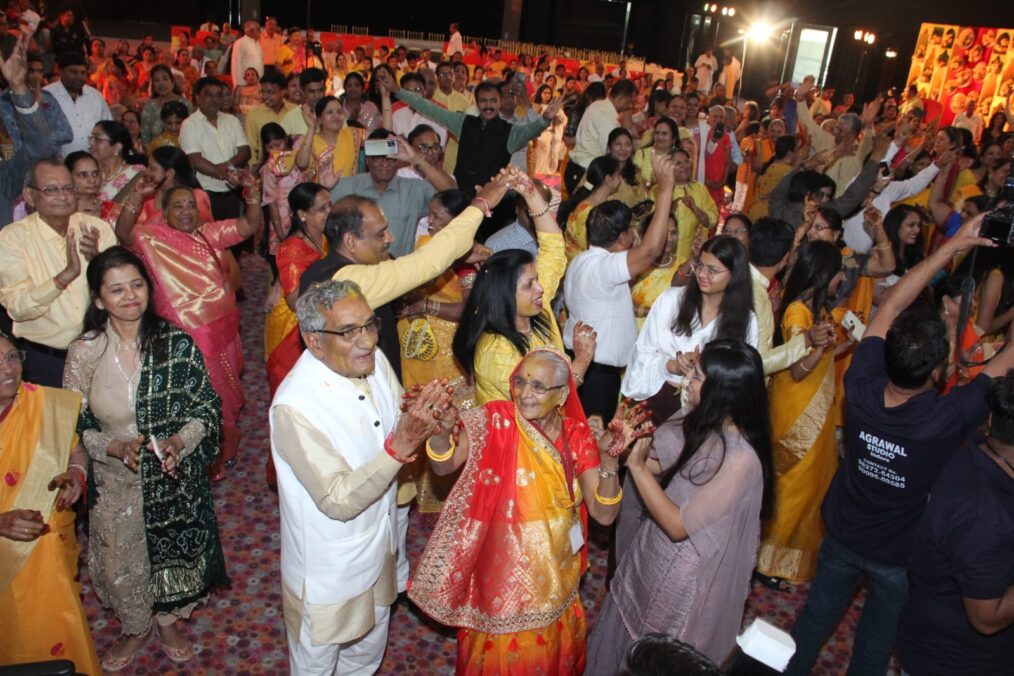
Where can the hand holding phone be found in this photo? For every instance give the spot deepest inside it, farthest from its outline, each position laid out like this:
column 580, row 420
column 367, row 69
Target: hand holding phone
column 853, row 325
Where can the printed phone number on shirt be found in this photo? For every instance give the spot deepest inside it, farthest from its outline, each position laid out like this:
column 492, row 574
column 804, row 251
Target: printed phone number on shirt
column 880, row 473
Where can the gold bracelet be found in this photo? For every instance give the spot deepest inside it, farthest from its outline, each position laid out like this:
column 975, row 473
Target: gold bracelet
column 608, row 502
column 883, row 246
column 440, row 457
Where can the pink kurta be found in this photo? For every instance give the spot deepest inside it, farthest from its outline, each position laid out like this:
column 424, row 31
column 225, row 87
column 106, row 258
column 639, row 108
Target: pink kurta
column 192, row 290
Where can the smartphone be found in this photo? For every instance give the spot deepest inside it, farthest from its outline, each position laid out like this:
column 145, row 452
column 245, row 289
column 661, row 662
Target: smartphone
column 381, row 147
column 853, row 325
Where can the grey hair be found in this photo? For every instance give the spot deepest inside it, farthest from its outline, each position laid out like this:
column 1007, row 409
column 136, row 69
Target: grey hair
column 321, row 297
column 853, row 121
column 49, row 162
column 560, row 367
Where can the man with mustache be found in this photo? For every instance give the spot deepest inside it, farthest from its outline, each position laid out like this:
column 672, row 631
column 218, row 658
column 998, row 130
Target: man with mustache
column 486, row 141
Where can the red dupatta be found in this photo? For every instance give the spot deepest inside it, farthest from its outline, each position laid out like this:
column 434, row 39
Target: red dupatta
column 499, row 559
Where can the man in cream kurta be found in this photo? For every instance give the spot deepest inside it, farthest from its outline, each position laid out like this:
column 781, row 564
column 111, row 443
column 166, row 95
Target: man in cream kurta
column 338, row 443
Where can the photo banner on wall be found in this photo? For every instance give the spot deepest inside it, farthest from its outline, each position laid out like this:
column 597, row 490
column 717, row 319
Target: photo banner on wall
column 953, row 65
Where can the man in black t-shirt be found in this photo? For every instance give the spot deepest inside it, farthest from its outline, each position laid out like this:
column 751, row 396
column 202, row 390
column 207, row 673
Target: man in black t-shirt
column 959, row 619
column 899, row 433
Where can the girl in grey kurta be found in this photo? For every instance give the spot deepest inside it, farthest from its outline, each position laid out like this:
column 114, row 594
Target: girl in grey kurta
column 686, row 571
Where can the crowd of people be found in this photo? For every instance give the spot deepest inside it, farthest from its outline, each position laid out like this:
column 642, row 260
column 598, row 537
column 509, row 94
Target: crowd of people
column 756, row 341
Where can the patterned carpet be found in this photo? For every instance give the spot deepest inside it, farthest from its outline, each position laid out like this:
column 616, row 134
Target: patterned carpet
column 240, row 630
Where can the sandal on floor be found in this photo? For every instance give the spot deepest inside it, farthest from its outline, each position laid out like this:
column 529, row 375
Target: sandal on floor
column 111, row 663
column 775, row 583
column 179, row 654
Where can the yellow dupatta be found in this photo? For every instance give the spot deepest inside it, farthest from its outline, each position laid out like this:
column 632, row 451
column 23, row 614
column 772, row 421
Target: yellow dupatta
column 805, row 455
column 41, row 616
column 344, row 154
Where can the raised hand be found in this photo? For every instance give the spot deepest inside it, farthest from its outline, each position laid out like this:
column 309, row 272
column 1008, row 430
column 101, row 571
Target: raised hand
column 631, row 422
column 88, row 244
column 665, row 169
column 804, row 88
column 15, row 67
column 585, row 340
column 552, row 108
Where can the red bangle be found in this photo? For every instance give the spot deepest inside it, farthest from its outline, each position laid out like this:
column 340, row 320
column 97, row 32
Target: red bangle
column 390, row 451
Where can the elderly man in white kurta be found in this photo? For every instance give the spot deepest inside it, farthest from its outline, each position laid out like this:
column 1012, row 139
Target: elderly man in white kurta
column 338, row 440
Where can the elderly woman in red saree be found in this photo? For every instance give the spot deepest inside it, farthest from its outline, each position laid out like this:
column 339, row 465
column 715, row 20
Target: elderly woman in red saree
column 507, row 554
column 44, row 472
column 184, row 254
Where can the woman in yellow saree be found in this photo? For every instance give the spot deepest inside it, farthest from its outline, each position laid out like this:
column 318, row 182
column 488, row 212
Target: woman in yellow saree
column 505, row 558
column 426, row 329
column 508, row 312
column 44, row 472
column 329, row 150
column 802, row 425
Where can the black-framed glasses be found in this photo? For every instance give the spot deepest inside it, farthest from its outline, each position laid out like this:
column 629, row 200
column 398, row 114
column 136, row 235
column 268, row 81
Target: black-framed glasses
column 372, row 327
column 14, row 357
column 520, row 384
column 433, row 148
column 54, row 190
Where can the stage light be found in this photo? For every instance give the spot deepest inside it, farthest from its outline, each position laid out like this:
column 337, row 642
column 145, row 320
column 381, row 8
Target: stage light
column 870, row 38
column 707, row 7
column 858, row 35
column 714, row 8
column 759, row 31
column 725, row 11
column 891, row 53
column 732, row 11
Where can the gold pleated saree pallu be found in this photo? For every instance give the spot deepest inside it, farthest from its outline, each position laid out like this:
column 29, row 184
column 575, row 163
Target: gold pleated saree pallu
column 41, row 617
column 805, row 454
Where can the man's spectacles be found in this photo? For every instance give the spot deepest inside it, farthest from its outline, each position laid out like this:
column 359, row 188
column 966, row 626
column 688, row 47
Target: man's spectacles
column 54, row 190
column 520, row 384
column 711, row 271
column 434, row 148
column 14, row 357
column 372, row 327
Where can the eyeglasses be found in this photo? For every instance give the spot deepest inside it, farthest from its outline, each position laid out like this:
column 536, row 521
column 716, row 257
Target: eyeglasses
column 372, row 327
column 98, row 139
column 15, row 357
column 710, row 271
column 54, row 190
column 445, row 74
column 434, row 148
column 735, row 232
column 520, row 384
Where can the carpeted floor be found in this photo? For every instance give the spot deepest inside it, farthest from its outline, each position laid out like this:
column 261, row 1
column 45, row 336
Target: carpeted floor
column 240, row 630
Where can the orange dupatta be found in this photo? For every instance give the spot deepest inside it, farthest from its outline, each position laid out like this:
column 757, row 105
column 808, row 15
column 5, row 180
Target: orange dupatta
column 41, row 617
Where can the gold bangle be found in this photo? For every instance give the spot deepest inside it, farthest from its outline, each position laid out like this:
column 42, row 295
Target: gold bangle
column 440, row 457
column 608, row 502
column 883, row 246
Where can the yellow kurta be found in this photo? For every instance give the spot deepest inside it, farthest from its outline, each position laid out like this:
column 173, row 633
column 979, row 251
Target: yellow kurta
column 805, row 454
column 41, row 617
column 495, row 356
column 686, row 219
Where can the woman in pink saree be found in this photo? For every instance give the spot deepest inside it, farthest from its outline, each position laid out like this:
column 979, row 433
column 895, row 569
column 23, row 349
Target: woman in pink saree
column 192, row 289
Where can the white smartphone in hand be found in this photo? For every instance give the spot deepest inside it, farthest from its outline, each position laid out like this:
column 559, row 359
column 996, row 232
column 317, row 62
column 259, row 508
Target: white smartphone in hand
column 853, row 325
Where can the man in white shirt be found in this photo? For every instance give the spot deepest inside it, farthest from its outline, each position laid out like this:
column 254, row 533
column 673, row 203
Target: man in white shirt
column 970, row 120
column 247, row 53
column 706, row 65
column 731, row 70
column 339, row 441
column 598, row 121
column 216, row 145
column 454, row 44
column 597, row 289
column 82, row 104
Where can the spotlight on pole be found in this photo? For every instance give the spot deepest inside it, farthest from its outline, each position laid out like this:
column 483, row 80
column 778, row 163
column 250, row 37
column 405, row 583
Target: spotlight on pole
column 891, row 53
column 732, row 11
